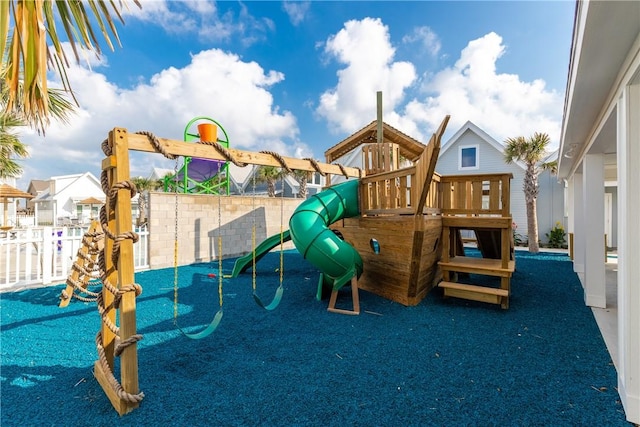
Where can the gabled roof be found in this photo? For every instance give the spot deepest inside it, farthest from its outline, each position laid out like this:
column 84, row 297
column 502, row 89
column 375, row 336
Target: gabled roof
column 471, row 127
column 45, row 194
column 37, row 185
column 410, row 148
column 159, row 173
column 75, row 178
column 551, row 157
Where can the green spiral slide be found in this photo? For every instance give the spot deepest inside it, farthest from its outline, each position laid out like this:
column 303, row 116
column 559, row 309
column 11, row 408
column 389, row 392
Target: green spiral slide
column 309, row 229
column 310, row 233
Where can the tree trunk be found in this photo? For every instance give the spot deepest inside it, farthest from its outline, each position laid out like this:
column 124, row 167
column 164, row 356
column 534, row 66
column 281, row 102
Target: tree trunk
column 142, row 209
column 271, row 188
column 532, row 226
column 302, row 192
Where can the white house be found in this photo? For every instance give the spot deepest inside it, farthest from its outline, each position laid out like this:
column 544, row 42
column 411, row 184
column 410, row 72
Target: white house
column 60, row 202
column 472, row 151
column 599, row 151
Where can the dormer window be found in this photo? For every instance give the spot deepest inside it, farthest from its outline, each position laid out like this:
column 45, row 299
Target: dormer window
column 468, row 157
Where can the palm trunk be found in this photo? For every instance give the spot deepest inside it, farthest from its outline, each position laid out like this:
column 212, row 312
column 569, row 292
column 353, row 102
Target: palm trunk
column 142, row 209
column 302, row 192
column 271, row 188
column 532, row 226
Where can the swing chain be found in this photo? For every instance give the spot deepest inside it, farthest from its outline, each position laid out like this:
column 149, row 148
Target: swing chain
column 220, row 273
column 175, row 244
column 253, row 229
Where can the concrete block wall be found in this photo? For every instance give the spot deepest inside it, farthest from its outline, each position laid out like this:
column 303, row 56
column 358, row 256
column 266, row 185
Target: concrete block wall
column 202, row 219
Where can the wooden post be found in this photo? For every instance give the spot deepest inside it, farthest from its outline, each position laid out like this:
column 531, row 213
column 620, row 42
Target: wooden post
column 571, row 246
column 124, row 221
column 379, row 131
column 119, row 221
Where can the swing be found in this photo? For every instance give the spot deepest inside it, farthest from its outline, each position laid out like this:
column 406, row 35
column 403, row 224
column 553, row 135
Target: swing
column 218, row 316
column 278, row 295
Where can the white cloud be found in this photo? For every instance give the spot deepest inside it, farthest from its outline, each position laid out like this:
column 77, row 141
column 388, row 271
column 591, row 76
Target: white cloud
column 500, row 103
column 471, row 89
column 204, row 18
column 296, row 10
column 364, row 47
column 216, row 84
column 426, row 37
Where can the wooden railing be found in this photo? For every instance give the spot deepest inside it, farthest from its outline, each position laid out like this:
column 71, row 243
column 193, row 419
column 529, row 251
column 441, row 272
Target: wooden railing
column 411, row 190
column 475, row 195
column 395, row 193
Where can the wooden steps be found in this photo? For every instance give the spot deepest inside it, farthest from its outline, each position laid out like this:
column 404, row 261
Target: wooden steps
column 473, row 265
column 478, row 203
column 475, row 293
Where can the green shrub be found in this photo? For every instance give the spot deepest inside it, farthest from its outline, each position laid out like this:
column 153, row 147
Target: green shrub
column 557, row 236
column 518, row 239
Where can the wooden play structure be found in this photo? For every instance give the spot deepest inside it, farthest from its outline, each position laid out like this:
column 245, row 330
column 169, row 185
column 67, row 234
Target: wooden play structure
column 409, row 231
column 406, row 230
column 398, row 233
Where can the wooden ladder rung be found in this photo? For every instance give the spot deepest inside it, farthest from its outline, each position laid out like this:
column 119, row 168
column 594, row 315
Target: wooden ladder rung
column 474, row 292
column 473, row 265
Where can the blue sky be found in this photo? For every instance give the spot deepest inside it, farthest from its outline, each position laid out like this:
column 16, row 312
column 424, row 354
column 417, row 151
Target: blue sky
column 298, row 77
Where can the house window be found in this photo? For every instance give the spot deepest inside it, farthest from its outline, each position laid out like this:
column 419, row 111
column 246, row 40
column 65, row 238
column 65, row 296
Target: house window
column 316, row 178
column 468, row 157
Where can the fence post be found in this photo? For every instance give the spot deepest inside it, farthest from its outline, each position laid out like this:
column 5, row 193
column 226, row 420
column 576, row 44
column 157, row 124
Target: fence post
column 47, row 254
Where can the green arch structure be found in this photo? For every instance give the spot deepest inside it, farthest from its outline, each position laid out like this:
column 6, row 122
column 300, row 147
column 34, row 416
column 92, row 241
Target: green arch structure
column 201, row 176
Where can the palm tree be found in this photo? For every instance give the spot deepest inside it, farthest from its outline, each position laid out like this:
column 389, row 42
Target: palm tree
column 27, row 55
column 144, row 185
column 529, row 151
column 270, row 175
column 10, row 145
column 302, row 177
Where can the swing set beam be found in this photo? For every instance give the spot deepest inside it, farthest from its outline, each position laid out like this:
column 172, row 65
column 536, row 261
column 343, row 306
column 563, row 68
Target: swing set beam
column 139, row 142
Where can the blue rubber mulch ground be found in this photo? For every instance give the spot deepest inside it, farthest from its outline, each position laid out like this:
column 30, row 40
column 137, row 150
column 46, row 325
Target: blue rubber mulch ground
column 444, row 362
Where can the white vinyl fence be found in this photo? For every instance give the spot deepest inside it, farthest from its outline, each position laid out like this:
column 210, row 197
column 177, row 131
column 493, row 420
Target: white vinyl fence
column 44, row 255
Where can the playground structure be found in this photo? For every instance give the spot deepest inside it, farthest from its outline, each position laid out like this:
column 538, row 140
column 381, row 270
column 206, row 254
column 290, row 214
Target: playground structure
column 118, row 297
column 385, row 233
column 398, row 229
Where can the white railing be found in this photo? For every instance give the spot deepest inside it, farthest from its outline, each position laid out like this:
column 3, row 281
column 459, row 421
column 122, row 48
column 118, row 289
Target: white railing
column 44, row 255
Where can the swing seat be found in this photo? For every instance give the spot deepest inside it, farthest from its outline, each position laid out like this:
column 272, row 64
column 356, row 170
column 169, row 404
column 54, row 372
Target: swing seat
column 206, row 331
column 274, row 303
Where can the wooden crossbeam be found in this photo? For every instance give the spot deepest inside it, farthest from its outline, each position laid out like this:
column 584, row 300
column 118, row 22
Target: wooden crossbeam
column 139, row 142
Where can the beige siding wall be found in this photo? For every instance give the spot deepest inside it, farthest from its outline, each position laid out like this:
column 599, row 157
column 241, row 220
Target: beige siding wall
column 200, row 222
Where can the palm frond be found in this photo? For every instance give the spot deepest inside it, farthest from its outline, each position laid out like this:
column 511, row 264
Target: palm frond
column 26, row 55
